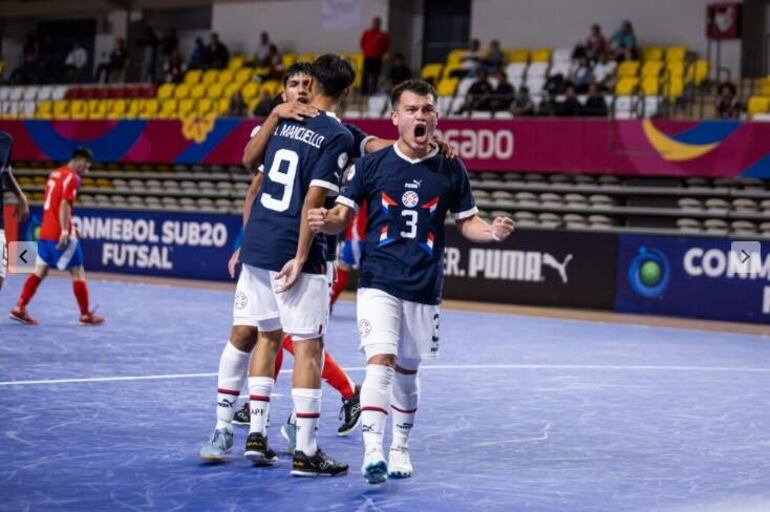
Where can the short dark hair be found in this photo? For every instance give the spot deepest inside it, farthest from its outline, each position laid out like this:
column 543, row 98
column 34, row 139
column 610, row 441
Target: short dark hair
column 332, row 74
column 298, row 68
column 419, row 87
column 83, row 152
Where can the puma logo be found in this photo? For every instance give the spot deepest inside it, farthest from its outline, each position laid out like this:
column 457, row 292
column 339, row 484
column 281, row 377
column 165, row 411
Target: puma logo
column 561, row 268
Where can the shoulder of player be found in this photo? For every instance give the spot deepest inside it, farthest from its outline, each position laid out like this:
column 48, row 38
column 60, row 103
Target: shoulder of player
column 370, row 160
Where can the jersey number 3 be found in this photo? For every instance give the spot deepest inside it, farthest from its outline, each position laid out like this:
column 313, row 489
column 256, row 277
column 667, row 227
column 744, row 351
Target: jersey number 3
column 282, row 177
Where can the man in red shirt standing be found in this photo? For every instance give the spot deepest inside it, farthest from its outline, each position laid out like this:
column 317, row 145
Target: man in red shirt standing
column 58, row 245
column 374, row 44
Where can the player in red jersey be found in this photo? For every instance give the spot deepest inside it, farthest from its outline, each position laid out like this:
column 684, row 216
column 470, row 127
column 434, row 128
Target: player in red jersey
column 58, row 245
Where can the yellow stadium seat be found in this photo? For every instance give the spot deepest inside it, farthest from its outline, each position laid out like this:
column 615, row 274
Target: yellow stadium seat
column 674, row 88
column 230, row 89
column 211, row 75
column 358, row 61
column 205, row 106
column 44, row 110
column 168, row 109
column 103, row 183
column 628, row 69
column 261, row 71
column 448, row 69
column 193, row 76
column 764, row 88
column 226, row 76
column 61, row 109
column 758, row 105
column 222, row 106
column 272, row 87
column 186, row 107
column 116, row 109
column 165, row 91
column 97, row 109
column 676, row 53
column 517, row 55
column 699, row 72
column 78, row 109
column 447, row 87
column 199, row 90
column 149, row 108
column 243, row 75
column 653, row 53
column 651, row 86
column 652, row 68
column 216, row 90
column 541, row 55
column 432, row 72
column 250, row 90
column 287, row 59
column 454, row 56
column 132, row 109
column 675, row 69
column 306, row 57
column 182, row 91
column 252, row 104
column 236, row 62
column 626, row 86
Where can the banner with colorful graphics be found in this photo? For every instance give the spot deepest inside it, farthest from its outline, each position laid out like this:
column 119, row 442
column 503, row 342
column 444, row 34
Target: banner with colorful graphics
column 166, row 244
column 633, row 147
column 709, row 278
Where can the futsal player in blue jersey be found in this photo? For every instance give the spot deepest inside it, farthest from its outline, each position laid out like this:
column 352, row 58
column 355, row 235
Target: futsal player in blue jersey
column 409, row 189
column 283, row 285
column 22, row 209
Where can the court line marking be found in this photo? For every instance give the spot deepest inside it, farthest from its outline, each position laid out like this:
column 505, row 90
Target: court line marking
column 170, row 376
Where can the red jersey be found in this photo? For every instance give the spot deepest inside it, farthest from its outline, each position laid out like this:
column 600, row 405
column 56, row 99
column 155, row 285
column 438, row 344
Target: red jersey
column 62, row 185
column 375, row 44
column 356, row 230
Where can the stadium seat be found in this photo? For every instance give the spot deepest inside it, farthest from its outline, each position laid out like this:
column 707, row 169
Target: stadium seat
column 758, row 105
column 205, row 107
column 59, row 92
column 628, row 68
column 626, row 86
column 650, row 106
column 216, row 90
column 4, row 93
column 249, row 91
column 624, row 107
column 186, row 107
column 449, row 69
column 447, row 86
column 537, row 70
column 61, row 109
column 515, row 72
column 168, row 109
column 30, row 93
column 44, row 93
column 699, row 72
column 199, row 90
column 44, row 109
column 650, row 86
column 676, row 54
column 652, row 68
column 210, row 76
column 97, row 109
column 652, row 53
column 562, row 55
column 193, row 76
column 235, row 62
column 27, row 109
column 182, row 91
column 78, row 109
column 453, row 58
column 432, row 72
column 272, row 87
column 16, row 93
column 464, row 85
column 306, row 57
column 288, row 59
column 559, row 68
column 541, row 55
column 674, row 88
column 243, row 75
column 149, row 108
column 226, row 76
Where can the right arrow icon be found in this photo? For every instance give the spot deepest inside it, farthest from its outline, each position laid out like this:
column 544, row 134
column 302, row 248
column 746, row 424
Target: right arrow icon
column 745, row 256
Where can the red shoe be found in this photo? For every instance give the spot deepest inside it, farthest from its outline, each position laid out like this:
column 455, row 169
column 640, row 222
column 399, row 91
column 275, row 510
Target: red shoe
column 20, row 315
column 91, row 319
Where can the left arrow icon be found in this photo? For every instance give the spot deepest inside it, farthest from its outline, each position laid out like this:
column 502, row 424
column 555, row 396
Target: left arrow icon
column 21, row 256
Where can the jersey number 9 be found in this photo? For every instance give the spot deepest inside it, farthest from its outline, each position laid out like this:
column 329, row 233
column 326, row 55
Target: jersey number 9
column 285, row 178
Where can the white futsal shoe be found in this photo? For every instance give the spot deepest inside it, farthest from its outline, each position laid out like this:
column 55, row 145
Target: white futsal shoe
column 375, row 469
column 216, row 448
column 399, row 464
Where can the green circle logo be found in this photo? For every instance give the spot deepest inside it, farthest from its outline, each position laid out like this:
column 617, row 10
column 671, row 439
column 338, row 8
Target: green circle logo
column 650, row 273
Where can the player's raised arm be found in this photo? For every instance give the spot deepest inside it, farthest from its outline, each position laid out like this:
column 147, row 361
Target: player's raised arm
column 22, row 209
column 255, row 149
column 330, row 222
column 478, row 230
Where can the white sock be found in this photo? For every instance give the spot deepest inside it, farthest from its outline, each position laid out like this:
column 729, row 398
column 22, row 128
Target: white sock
column 406, row 396
column 232, row 372
column 307, row 407
column 260, row 389
column 375, row 402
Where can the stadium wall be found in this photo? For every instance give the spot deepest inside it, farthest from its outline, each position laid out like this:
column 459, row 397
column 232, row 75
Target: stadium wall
column 298, row 26
column 557, row 23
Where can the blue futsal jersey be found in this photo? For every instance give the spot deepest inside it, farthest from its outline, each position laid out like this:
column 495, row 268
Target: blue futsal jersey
column 407, row 204
column 299, row 155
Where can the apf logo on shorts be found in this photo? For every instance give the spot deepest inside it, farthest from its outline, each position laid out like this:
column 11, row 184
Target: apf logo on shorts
column 241, row 300
column 649, row 273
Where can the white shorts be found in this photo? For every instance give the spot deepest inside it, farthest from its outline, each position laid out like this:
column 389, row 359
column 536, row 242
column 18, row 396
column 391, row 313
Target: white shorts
column 301, row 312
column 3, row 253
column 389, row 325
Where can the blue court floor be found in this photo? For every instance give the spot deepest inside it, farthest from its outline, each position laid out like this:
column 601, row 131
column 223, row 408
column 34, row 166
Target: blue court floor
column 520, row 413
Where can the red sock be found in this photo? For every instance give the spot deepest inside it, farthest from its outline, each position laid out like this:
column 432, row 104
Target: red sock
column 340, row 283
column 336, row 377
column 81, row 294
column 286, row 344
column 29, row 289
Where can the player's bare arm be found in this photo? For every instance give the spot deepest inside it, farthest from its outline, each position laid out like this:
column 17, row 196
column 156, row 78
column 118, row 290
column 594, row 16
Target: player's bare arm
column 313, row 200
column 251, row 195
column 255, row 149
column 478, row 230
column 65, row 215
column 22, row 208
column 330, row 222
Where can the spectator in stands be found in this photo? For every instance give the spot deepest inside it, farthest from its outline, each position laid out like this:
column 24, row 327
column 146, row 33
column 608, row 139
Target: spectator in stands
column 596, row 43
column 623, row 42
column 173, row 69
column 76, row 63
column 523, row 104
column 495, row 60
column 581, row 75
column 479, row 95
column 27, row 72
column 169, row 43
column 399, row 71
column 149, row 42
column 470, row 61
column 273, row 64
column 262, row 56
column 115, row 67
column 727, row 106
column 549, row 106
column 264, row 105
column 237, row 107
column 595, row 105
column 604, row 72
column 198, row 58
column 503, row 95
column 571, row 106
column 374, row 44
column 218, row 55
